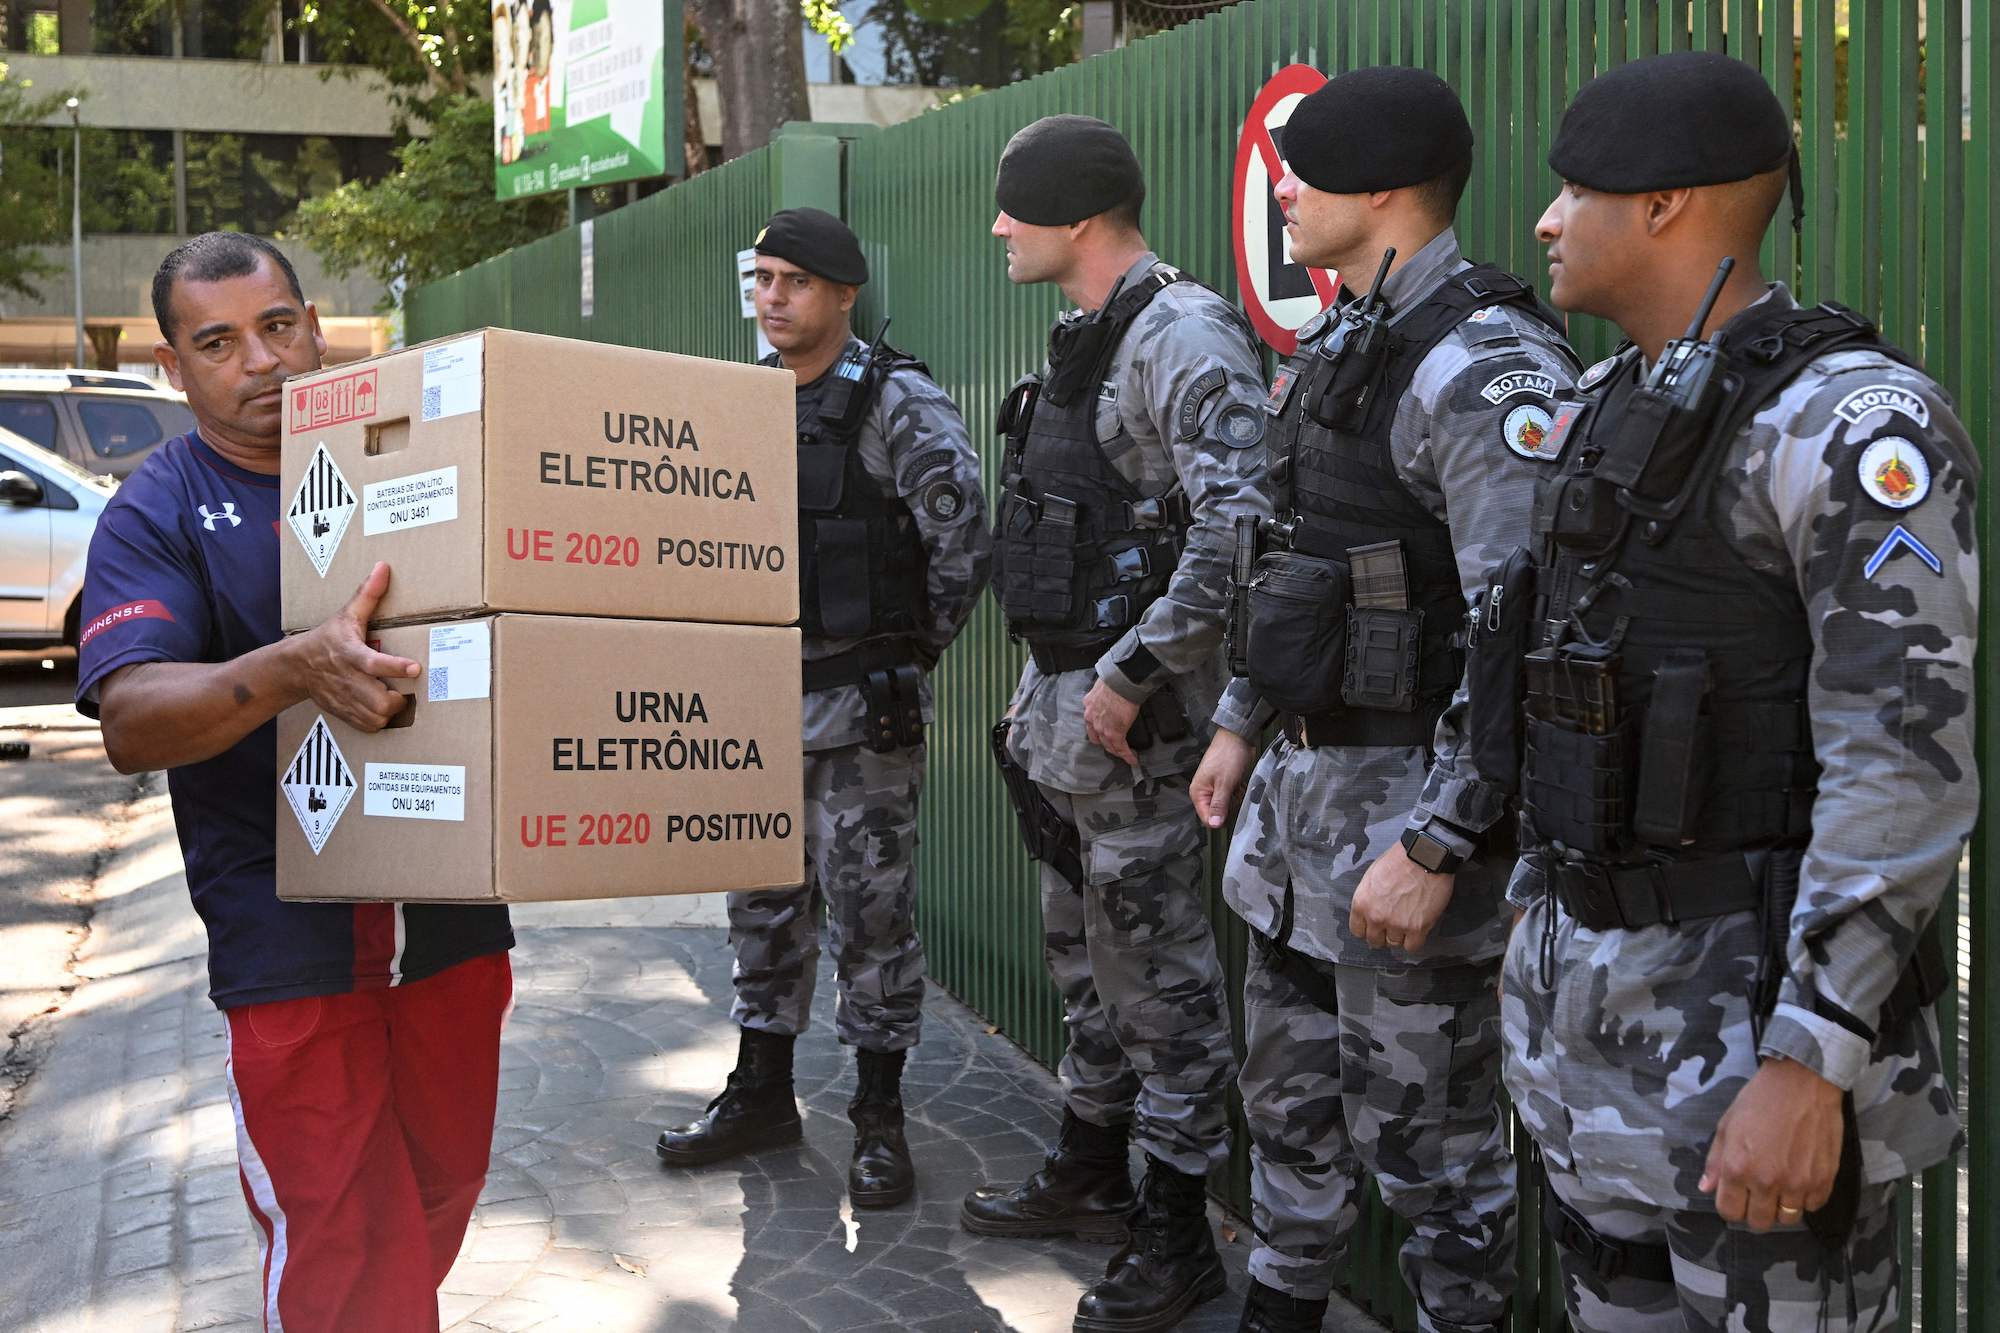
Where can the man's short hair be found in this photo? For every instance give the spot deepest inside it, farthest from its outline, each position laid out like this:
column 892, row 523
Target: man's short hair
column 211, row 257
column 1126, row 215
column 1440, row 194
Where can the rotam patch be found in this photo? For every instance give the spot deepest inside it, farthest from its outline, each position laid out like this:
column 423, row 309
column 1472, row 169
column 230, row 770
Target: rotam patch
column 1895, row 472
column 1531, row 433
column 1872, row 398
column 1519, row 381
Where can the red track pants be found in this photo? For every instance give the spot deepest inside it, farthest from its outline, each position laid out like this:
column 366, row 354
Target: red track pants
column 363, row 1127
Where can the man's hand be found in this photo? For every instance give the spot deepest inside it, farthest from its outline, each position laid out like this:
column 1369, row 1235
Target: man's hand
column 1776, row 1148
column 1107, row 716
column 1219, row 780
column 341, row 673
column 1399, row 902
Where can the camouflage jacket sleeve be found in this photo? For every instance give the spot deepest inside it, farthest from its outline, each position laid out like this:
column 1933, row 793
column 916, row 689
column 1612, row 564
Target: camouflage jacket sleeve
column 1242, row 709
column 1867, row 481
column 1468, row 444
column 936, row 473
column 1193, row 390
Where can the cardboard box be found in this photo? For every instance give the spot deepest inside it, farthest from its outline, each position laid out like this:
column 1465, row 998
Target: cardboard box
column 554, row 757
column 504, row 471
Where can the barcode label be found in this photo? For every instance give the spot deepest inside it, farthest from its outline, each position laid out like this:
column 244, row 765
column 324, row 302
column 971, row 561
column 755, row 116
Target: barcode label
column 440, row 681
column 433, row 402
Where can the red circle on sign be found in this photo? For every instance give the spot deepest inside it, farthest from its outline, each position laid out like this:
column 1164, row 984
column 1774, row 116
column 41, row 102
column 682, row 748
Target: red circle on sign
column 1277, row 319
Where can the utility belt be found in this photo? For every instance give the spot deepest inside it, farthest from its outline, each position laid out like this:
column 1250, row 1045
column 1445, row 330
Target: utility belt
column 1330, row 635
column 1363, row 727
column 891, row 684
column 1049, row 838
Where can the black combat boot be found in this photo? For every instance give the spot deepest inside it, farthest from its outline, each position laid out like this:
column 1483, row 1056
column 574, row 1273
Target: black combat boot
column 881, row 1174
column 1084, row 1189
column 754, row 1110
column 1166, row 1269
column 1268, row 1310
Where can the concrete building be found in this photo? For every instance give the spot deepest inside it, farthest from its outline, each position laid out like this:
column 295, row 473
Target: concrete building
column 233, row 142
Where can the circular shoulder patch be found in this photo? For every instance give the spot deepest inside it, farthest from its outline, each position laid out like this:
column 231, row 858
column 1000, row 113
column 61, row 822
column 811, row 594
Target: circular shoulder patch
column 1594, row 376
column 1481, row 315
column 1240, row 426
column 1529, row 430
column 1895, row 472
column 944, row 501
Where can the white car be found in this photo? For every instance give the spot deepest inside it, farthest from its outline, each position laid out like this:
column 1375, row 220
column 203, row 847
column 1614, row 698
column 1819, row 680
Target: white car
column 48, row 509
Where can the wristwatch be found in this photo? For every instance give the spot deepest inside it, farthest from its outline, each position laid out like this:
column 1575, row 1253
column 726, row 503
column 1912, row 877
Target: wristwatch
column 1437, row 846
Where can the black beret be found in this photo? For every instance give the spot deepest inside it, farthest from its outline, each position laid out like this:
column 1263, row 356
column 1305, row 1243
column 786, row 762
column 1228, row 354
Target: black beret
column 1379, row 128
column 817, row 242
column 1685, row 118
column 1063, row 169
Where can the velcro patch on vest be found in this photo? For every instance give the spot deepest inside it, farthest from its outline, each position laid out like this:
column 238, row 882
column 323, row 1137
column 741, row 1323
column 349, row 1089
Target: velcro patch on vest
column 1206, row 385
column 937, row 460
column 1281, row 390
column 1873, row 398
column 1517, row 382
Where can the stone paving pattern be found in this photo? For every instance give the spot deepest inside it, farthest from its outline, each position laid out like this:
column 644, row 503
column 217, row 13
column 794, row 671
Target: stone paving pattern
column 120, row 1209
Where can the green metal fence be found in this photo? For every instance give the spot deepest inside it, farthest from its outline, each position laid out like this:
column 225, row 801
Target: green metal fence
column 1896, row 104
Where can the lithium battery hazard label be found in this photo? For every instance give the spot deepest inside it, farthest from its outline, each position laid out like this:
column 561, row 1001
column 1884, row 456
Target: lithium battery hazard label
column 415, row 791
column 318, row 784
column 321, row 509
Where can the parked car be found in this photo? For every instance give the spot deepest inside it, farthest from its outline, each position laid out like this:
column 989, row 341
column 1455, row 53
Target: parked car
column 48, row 509
column 102, row 421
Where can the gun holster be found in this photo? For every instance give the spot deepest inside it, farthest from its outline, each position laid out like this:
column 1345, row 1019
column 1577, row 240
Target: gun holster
column 895, row 708
column 1049, row 837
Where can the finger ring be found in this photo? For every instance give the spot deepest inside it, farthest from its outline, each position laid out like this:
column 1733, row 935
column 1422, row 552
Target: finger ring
column 1785, row 1211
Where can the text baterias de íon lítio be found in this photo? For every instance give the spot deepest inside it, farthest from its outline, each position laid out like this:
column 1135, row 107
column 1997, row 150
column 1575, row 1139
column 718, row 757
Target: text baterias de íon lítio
column 675, row 752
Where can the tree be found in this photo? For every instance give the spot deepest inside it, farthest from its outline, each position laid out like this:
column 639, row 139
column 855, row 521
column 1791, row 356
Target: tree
column 760, row 63
column 34, row 199
column 433, row 216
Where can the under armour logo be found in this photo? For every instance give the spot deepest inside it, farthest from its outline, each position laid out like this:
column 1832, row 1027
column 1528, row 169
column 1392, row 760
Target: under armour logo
column 228, row 512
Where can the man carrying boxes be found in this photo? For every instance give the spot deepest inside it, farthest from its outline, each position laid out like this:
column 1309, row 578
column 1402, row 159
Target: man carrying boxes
column 894, row 553
column 364, row 1039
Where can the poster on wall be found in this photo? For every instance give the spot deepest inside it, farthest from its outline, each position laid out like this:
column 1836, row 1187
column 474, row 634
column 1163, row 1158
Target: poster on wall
column 585, row 92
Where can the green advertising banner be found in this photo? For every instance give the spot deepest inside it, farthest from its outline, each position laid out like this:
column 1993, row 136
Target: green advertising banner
column 585, row 92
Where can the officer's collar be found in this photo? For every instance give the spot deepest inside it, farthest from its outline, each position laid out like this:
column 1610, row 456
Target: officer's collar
column 1143, row 265
column 1416, row 277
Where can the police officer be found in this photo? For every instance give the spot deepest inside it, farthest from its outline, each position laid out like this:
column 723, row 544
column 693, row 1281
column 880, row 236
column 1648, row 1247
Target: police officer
column 1129, row 459
column 1407, row 435
column 894, row 551
column 1748, row 740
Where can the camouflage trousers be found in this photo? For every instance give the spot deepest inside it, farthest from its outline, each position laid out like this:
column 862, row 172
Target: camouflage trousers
column 1399, row 1078
column 1728, row 1279
column 861, row 838
column 1132, row 952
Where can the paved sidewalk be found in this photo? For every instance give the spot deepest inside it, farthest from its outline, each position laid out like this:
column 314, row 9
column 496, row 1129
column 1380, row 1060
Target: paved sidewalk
column 119, row 1205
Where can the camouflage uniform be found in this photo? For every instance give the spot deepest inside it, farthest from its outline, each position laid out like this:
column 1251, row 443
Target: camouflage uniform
column 1402, row 1078
column 1625, row 1047
column 1131, row 950
column 861, row 806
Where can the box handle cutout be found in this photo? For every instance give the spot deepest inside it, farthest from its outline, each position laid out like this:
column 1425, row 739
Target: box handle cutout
column 388, row 437
column 405, row 716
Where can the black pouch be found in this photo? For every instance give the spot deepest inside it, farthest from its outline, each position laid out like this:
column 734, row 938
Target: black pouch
column 1047, row 836
column 1037, row 577
column 1379, row 668
column 1494, row 675
column 1674, row 755
column 1298, row 630
column 1578, row 786
column 895, row 708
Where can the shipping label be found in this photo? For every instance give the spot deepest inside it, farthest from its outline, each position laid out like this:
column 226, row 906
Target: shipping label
column 452, row 378
column 414, row 791
column 415, row 501
column 461, row 661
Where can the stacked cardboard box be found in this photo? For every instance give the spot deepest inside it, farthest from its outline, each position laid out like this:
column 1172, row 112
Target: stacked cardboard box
column 593, row 559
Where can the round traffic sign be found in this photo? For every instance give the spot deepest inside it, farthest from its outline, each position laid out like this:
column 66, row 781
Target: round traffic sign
column 1279, row 295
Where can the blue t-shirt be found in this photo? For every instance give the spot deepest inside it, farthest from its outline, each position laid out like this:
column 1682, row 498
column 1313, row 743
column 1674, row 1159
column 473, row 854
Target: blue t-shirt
column 184, row 568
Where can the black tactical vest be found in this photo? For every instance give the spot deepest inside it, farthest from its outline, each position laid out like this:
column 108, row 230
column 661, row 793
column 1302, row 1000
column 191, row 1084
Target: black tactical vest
column 1080, row 553
column 1338, row 490
column 861, row 558
column 1667, row 683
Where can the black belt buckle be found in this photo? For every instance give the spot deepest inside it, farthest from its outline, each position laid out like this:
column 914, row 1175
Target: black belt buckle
column 1131, row 564
column 1113, row 612
column 1588, row 894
